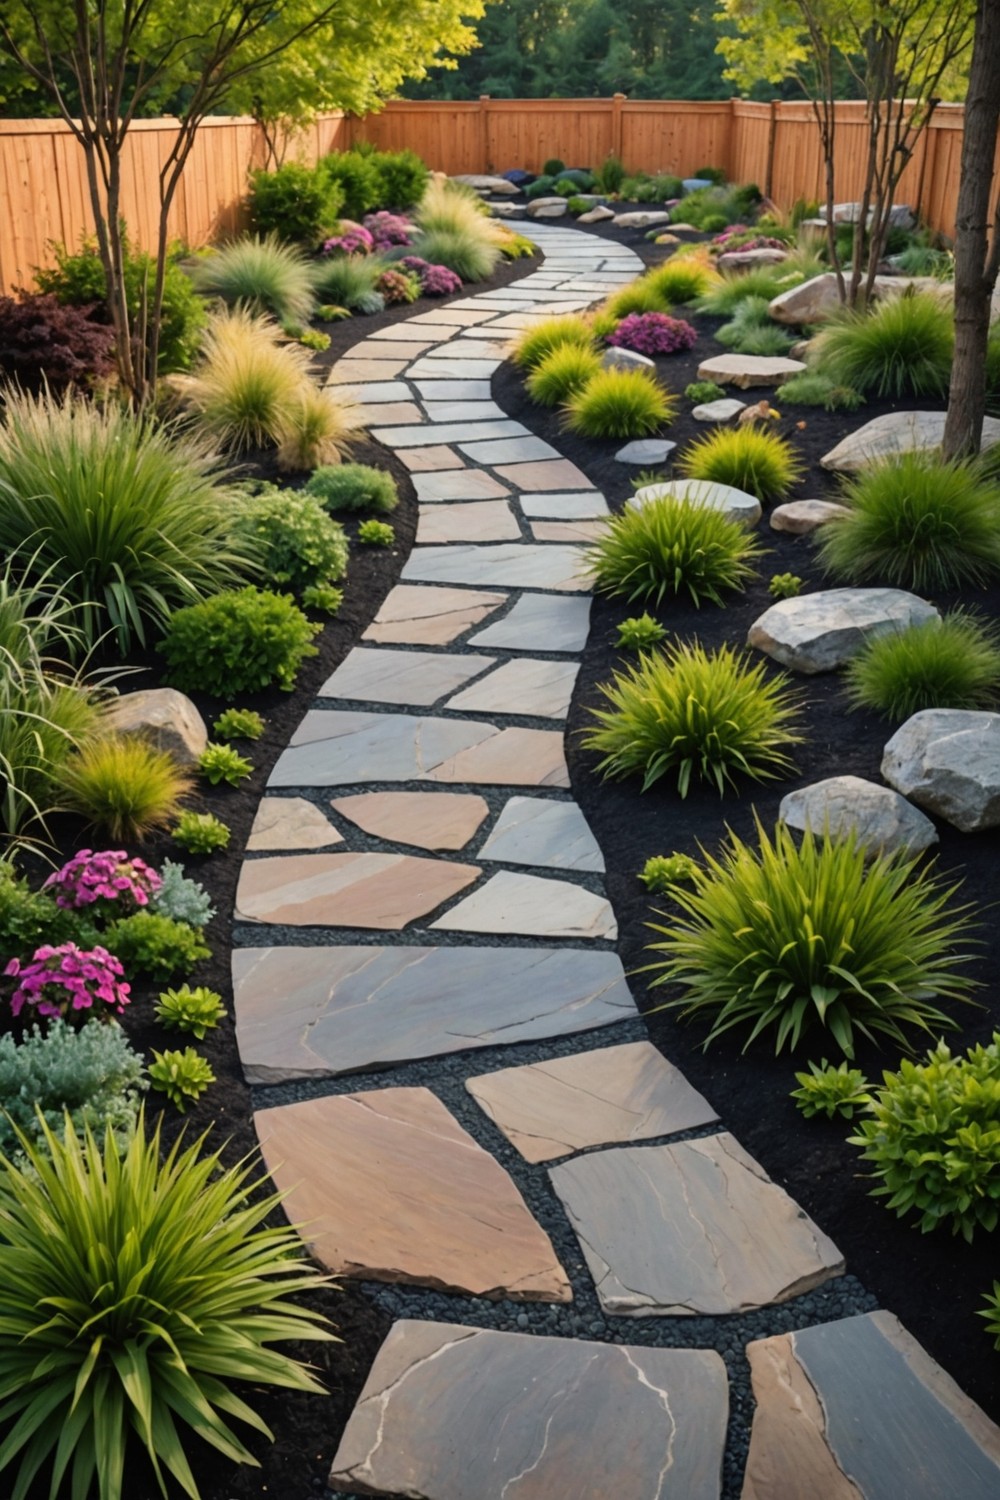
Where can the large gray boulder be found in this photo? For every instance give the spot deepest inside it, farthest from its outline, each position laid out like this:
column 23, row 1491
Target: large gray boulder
column 820, row 632
column 747, row 260
column 817, row 299
column 882, row 820
column 735, row 504
column 895, row 433
column 481, row 183
column 948, row 761
column 163, row 716
column 597, row 214
column 642, row 218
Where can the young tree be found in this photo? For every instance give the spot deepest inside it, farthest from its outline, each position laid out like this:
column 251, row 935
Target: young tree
column 903, row 56
column 977, row 249
column 104, row 64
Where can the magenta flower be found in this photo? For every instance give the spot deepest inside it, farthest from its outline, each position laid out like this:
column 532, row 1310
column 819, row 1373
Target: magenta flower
column 435, row 281
column 388, row 229
column 105, row 876
column 653, row 333
column 64, row 980
column 353, row 239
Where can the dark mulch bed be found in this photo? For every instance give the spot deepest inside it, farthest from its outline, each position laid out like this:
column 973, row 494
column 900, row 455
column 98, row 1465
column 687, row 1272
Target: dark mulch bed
column 934, row 1283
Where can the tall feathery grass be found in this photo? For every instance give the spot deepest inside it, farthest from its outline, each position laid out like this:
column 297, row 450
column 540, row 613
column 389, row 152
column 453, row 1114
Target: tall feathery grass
column 263, row 274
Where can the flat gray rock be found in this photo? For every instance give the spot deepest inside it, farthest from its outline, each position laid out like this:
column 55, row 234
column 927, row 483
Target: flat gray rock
column 745, row 370
column 319, row 1012
column 481, row 183
column 642, row 218
column 442, row 485
column 722, row 410
column 645, row 451
column 537, row 621
column 948, row 760
column 546, row 208
column 882, row 820
column 894, row 433
column 857, row 1410
column 737, row 505
column 447, row 432
column 539, row 831
column 450, row 1412
column 565, row 1104
column 508, row 565
column 520, row 450
column 690, row 1230
column 585, row 505
column 748, row 260
column 418, row 678
column 528, row 685
column 625, row 359
column 819, row 632
column 334, row 747
column 517, row 904
column 596, row 215
column 801, row 517
column 290, row 823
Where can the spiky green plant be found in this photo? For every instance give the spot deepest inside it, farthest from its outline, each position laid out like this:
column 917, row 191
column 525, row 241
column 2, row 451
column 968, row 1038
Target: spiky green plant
column 639, row 633
column 200, row 833
column 620, row 404
column 670, row 546
column 918, row 523
column 748, row 458
column 722, row 299
column 248, row 384
column 795, row 934
column 709, row 716
column 949, row 663
column 262, row 274
column 901, row 347
column 680, row 279
column 182, row 1075
column 662, row 872
column 641, row 295
column 124, row 786
column 463, row 251
column 198, row 1010
column 346, row 280
column 826, row 1090
column 812, row 388
column 535, row 343
column 561, row 374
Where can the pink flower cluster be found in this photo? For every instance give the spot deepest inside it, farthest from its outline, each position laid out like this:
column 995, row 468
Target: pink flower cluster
column 353, row 239
column 435, row 281
column 729, row 232
column 108, row 875
column 388, row 229
column 653, row 333
column 398, row 286
column 59, row 981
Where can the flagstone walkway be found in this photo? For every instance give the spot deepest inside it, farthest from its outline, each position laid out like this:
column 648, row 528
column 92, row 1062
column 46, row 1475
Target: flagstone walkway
column 585, row 1270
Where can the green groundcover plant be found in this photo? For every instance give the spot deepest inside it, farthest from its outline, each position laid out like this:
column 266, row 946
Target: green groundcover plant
column 748, row 458
column 137, row 1286
column 828, row 1090
column 90, row 1072
column 200, row 833
column 551, row 333
column 238, row 642
column 667, row 546
column 794, row 935
column 182, row 1075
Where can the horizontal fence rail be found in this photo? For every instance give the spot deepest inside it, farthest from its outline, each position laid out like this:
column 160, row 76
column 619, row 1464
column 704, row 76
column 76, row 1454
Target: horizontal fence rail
column 44, row 195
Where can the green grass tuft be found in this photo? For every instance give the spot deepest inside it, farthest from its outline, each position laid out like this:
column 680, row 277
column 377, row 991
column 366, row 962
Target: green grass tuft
column 951, row 663
column 671, row 546
column 748, row 458
column 562, row 373
column 551, row 333
column 260, row 273
column 902, row 347
column 620, row 404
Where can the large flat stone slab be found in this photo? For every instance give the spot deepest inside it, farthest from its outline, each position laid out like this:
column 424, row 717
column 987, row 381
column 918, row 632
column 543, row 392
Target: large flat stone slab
column 627, row 1093
column 549, row 474
column 692, row 1229
column 333, row 747
column 880, row 819
column 514, row 451
column 458, row 484
column 388, row 1186
column 320, row 1012
column 448, row 432
column 539, row 831
column 382, row 891
column 539, row 622
column 540, row 689
column 893, row 433
column 417, row 678
column 531, row 906
column 857, row 1410
column 746, row 370
column 948, row 760
column 472, row 521
column 427, row 820
column 735, row 505
column 290, row 823
column 419, row 460
column 565, row 507
column 456, row 1413
column 430, row 616
column 820, row 632
column 348, row 371
column 506, row 565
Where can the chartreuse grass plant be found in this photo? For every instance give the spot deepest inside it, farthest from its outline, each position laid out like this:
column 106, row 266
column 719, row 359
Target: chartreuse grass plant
column 467, row 253
column 828, row 1090
column 953, row 662
column 261, row 274
column 795, row 934
column 138, row 1287
column 748, row 458
column 535, row 343
column 723, row 298
column 681, row 279
column 563, row 373
column 620, row 404
column 672, row 547
column 456, row 231
column 124, row 786
column 933, row 1139
column 917, row 523
column 902, row 346
column 318, row 428
column 711, row 716
column 638, row 296
column 120, row 514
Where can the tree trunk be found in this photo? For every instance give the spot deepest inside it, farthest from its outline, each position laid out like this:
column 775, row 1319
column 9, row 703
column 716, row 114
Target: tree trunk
column 976, row 263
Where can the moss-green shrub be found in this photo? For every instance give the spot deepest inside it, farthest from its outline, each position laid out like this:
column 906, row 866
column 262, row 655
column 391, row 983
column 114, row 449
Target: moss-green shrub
column 238, row 642
column 90, row 1072
column 295, row 539
column 901, row 347
column 294, row 202
column 353, row 487
column 150, row 944
column 620, row 404
column 949, row 663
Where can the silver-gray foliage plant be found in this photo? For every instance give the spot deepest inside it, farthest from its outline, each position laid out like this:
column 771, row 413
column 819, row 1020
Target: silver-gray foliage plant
column 182, row 899
column 93, row 1073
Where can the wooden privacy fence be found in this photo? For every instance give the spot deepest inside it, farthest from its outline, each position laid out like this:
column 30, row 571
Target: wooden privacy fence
column 43, row 192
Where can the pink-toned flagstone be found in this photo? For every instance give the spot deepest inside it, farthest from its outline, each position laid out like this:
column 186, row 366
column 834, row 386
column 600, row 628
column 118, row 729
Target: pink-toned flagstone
column 382, row 891
column 429, row 616
column 428, row 820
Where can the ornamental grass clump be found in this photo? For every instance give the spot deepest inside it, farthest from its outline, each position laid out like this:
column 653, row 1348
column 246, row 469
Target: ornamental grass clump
column 723, row 298
column 798, row 934
column 138, row 1285
column 672, row 547
column 653, row 333
column 562, row 373
column 933, row 1139
column 953, row 662
column 640, row 296
column 535, row 343
column 318, row 428
column 901, row 347
column 748, row 458
column 917, row 523
column 247, row 386
column 620, row 404
column 347, row 280
column 680, row 279
column 699, row 715
column 261, row 274
column 124, row 786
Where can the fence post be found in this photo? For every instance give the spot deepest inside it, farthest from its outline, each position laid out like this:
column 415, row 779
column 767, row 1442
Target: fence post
column 484, row 133
column 772, row 133
column 617, row 132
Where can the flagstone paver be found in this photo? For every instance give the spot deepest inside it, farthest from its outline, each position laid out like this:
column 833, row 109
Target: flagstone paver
column 290, row 823
column 538, row 831
column 537, row 620
column 439, row 389
column 432, row 616
column 513, row 451
column 523, row 686
column 511, row 565
column 428, row 820
column 567, row 531
column 319, row 1012
column 392, row 413
column 570, row 507
column 531, row 906
column 458, row 484
column 456, row 1413
column 467, row 521
column 690, row 1229
column 626, row 1093
column 549, row 474
column 388, row 1186
column 347, row 890
column 413, row 677
column 418, row 460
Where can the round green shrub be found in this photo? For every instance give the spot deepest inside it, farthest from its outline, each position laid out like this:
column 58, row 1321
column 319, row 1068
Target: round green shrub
column 561, row 374
column 620, row 404
column 748, row 458
column 149, row 943
column 296, row 541
column 353, row 487
column 238, row 642
column 949, row 663
column 901, row 347
column 668, row 546
column 294, row 202
column 91, row 1072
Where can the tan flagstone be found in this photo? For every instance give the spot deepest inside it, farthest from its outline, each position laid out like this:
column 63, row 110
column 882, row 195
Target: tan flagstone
column 290, row 823
column 428, row 820
column 472, row 521
column 417, row 460
column 380, row 891
column 429, row 616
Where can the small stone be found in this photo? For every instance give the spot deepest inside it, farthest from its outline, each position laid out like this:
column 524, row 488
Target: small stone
column 163, row 716
column 596, row 215
column 800, row 517
column 546, row 208
column 746, row 260
column 505, row 211
column 482, row 183
column 745, row 370
column 722, row 410
column 894, row 433
column 642, row 218
column 735, row 504
column 881, row 819
column 645, row 451
column 625, row 359
column 819, row 632
column 666, row 239
column 948, row 761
